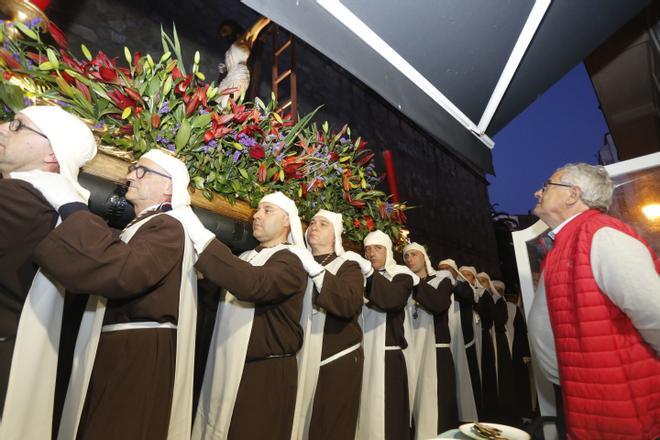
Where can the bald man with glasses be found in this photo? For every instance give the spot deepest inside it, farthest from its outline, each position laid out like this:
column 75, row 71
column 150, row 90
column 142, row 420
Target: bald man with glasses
column 41, row 139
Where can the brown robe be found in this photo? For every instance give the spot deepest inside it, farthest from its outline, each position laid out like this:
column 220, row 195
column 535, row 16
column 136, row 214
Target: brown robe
column 25, row 220
column 267, row 392
column 337, row 398
column 437, row 302
column 391, row 297
column 130, row 389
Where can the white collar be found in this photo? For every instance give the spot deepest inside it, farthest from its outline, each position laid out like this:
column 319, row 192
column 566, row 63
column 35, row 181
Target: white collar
column 552, row 234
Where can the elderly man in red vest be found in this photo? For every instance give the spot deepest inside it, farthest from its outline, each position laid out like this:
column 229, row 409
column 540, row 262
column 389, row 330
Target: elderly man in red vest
column 595, row 320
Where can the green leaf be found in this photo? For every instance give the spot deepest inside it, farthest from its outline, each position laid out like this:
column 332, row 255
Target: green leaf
column 26, row 30
column 126, row 113
column 11, row 96
column 167, row 86
column 200, row 75
column 182, row 136
column 46, row 65
column 288, row 140
column 166, row 56
column 52, row 58
column 243, row 173
column 197, row 182
column 87, row 54
column 201, row 120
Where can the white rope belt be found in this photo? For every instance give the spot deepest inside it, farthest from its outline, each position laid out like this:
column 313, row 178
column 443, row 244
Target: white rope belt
column 342, row 353
column 136, row 326
column 392, row 347
column 442, row 345
column 469, row 344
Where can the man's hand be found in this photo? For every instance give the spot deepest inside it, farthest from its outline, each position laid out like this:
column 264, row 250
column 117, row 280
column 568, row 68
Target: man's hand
column 365, row 265
column 55, row 188
column 199, row 235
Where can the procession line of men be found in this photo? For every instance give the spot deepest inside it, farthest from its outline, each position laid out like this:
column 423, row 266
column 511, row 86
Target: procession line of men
column 310, row 341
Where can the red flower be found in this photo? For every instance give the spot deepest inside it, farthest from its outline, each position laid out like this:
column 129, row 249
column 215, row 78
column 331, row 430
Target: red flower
column 356, row 223
column 85, row 90
column 208, row 136
column 365, row 159
column 292, row 167
column 257, row 152
column 369, row 221
column 107, row 74
column 155, row 121
column 120, row 100
column 9, row 60
column 6, row 75
column 68, row 78
column 262, row 172
column 126, row 129
column 183, row 85
column 176, row 73
column 333, row 156
column 358, row 204
column 136, row 58
column 135, row 96
column 57, row 34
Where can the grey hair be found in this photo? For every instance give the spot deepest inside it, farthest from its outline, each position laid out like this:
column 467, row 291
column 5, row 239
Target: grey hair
column 594, row 182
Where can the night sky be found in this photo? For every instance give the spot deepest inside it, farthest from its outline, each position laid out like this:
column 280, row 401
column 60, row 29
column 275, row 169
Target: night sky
column 563, row 125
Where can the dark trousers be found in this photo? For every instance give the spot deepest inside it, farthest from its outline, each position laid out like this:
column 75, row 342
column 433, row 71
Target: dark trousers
column 561, row 417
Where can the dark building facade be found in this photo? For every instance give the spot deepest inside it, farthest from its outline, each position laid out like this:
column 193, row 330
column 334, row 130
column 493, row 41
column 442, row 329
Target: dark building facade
column 451, row 203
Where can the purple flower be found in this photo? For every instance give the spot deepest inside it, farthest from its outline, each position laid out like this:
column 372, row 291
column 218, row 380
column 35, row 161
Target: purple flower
column 236, row 156
column 202, row 111
column 98, row 125
column 211, row 145
column 170, row 147
column 33, row 23
column 164, row 108
column 246, row 140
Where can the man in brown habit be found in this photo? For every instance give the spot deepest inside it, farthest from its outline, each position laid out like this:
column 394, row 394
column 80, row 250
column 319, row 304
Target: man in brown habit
column 388, row 377
column 332, row 356
column 132, row 375
column 39, row 139
column 435, row 407
column 250, row 382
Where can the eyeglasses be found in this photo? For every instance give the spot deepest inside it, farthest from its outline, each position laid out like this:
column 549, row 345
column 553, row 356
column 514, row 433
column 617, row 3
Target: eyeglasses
column 17, row 124
column 141, row 170
column 548, row 183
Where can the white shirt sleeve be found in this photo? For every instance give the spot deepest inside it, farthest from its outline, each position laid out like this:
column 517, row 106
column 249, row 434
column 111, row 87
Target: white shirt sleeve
column 625, row 272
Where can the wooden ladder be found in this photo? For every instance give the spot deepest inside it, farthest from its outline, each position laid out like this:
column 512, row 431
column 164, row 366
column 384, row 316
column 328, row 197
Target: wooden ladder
column 283, row 51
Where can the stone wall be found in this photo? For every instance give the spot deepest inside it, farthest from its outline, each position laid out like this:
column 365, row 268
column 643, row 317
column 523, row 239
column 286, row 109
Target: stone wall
column 452, row 214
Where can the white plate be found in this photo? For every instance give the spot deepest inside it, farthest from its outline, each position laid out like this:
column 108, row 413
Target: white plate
column 508, row 432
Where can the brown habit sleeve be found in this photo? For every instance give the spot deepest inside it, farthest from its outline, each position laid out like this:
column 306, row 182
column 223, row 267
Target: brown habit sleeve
column 341, row 294
column 389, row 296
column 282, row 277
column 434, row 300
column 83, row 255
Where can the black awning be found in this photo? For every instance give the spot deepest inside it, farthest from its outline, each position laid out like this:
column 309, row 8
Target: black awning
column 441, row 62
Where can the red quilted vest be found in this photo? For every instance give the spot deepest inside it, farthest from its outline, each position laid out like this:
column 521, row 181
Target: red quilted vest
column 610, row 378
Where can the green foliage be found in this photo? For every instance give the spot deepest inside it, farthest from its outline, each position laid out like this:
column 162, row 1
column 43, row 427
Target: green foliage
column 243, row 150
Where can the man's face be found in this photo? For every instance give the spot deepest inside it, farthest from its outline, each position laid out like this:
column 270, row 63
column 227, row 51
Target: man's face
column 151, row 188
column 320, row 233
column 377, row 254
column 269, row 223
column 553, row 201
column 24, row 149
column 415, row 260
column 468, row 276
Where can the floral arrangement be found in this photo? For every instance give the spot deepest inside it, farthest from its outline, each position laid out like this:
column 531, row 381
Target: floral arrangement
column 242, row 150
